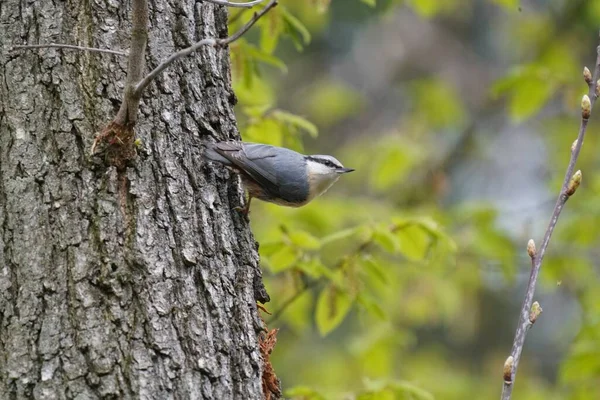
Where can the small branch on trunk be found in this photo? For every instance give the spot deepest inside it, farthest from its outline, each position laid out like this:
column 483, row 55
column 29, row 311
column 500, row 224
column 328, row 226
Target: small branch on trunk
column 249, row 4
column 530, row 311
column 139, row 37
column 65, row 46
column 204, row 42
column 119, row 133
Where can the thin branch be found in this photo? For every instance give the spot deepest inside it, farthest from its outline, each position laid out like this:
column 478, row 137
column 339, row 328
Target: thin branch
column 135, row 67
column 529, row 311
column 66, row 46
column 120, row 131
column 249, row 4
column 292, row 300
column 204, row 42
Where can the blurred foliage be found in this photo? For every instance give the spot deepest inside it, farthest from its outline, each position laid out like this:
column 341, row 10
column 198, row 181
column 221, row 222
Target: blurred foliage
column 396, row 284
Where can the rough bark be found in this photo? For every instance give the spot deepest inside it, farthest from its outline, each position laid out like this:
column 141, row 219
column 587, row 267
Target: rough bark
column 138, row 283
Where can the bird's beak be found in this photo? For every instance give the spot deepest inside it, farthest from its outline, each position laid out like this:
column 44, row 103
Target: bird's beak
column 344, row 170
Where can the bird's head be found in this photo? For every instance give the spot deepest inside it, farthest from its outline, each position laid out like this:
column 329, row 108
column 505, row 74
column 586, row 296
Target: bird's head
column 323, row 171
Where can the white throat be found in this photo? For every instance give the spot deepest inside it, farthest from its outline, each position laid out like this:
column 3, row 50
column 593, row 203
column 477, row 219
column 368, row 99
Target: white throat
column 320, row 178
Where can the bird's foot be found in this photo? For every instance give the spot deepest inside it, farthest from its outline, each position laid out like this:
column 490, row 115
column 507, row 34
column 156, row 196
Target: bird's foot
column 244, row 210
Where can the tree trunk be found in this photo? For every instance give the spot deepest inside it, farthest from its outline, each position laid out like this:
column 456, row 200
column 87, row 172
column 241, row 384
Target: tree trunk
column 133, row 283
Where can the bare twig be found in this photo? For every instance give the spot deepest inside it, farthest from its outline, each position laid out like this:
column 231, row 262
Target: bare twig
column 119, row 133
column 249, row 4
column 139, row 37
column 204, row 42
column 529, row 311
column 66, row 46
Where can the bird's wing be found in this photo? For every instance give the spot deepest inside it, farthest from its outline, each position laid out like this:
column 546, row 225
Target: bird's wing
column 252, row 159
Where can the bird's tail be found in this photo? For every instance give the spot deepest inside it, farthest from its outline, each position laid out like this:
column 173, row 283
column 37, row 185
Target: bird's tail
column 211, row 154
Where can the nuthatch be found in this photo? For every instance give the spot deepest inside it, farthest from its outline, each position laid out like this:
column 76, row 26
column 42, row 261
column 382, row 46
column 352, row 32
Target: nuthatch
column 277, row 174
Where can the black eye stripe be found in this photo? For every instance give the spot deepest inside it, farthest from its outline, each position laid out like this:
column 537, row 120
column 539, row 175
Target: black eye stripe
column 324, row 161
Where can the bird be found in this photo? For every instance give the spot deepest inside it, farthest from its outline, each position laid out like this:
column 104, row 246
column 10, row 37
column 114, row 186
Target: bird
column 277, row 174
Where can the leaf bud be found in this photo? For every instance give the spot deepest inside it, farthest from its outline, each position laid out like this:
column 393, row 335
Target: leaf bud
column 507, row 370
column 531, row 248
column 574, row 183
column 535, row 312
column 586, row 107
column 587, row 75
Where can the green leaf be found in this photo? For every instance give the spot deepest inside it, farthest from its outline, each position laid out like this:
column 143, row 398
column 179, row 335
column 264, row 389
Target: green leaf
column 342, row 101
column 386, row 240
column 414, row 242
column 296, row 121
column 248, row 72
column 343, row 234
column 264, row 130
column 283, row 259
column 313, row 268
column 381, row 389
column 295, row 29
column 371, row 306
column 438, row 103
column 391, row 166
column 427, row 8
column 417, row 237
column 271, row 28
column 304, row 393
column 529, row 88
column 256, row 111
column 304, row 240
column 528, row 98
column 258, row 55
column 406, row 389
column 371, row 3
column 268, row 249
column 374, row 269
column 332, row 307
column 257, row 93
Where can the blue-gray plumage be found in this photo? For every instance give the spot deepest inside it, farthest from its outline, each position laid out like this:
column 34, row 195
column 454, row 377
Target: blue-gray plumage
column 277, row 174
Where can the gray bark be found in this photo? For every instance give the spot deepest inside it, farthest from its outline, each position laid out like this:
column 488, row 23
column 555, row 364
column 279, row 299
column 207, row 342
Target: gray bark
column 140, row 283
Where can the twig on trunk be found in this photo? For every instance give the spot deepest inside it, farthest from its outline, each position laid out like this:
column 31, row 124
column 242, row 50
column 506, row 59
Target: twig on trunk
column 119, row 133
column 66, row 46
column 137, row 54
column 530, row 311
column 204, row 42
column 249, row 4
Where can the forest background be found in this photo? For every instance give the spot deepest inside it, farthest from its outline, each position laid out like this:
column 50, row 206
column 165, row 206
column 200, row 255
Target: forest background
column 407, row 277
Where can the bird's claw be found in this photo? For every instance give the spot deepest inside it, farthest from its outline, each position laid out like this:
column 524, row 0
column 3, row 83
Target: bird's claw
column 242, row 210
